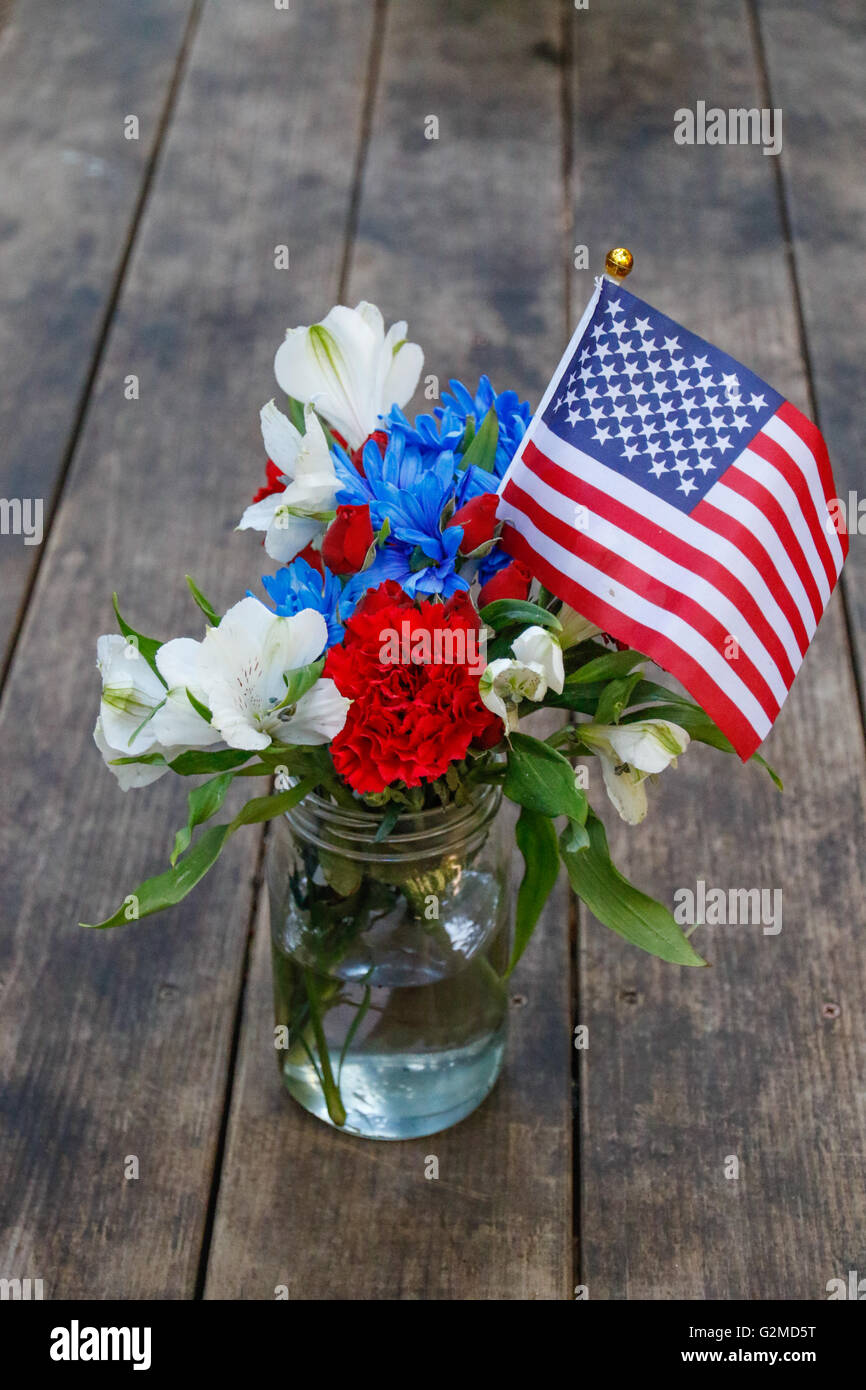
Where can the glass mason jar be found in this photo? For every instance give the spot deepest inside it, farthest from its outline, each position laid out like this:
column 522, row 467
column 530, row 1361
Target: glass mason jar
column 388, row 960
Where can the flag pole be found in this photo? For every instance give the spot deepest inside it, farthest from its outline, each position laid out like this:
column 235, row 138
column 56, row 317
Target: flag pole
column 618, row 263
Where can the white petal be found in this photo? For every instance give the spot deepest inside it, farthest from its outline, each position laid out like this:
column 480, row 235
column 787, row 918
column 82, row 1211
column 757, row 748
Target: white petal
column 626, row 790
column 232, row 721
column 575, row 628
column 308, row 638
column 536, row 645
column 178, row 723
column 650, row 745
column 129, row 775
column 288, row 538
column 319, row 716
column 402, row 376
column 178, row 662
column 332, row 364
column 259, row 515
column 372, row 317
column 282, row 440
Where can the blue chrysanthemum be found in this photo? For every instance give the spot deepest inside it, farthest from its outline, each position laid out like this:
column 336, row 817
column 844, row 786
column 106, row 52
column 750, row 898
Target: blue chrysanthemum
column 299, row 585
column 419, row 483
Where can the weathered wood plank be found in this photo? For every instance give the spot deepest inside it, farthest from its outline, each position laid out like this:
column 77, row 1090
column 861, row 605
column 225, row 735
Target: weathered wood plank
column 687, row 1068
column 69, row 75
column 118, row 1044
column 815, row 60
column 462, row 236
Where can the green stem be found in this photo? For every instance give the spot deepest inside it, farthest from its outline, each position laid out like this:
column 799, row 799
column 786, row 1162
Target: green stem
column 329, row 1085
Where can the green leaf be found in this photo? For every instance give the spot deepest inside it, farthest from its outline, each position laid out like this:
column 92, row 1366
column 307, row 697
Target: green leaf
column 266, row 807
column 542, row 780
column 605, row 668
column 298, row 682
column 146, row 720
column 169, row 888
column 146, row 646
column 536, row 840
column 360, row 1012
column 516, row 612
column 199, row 708
column 619, row 905
column 614, row 699
column 152, row 759
column 481, row 450
column 197, row 761
column 574, row 837
column 296, row 414
column 208, row 609
column 203, row 802
column 393, row 811
column 468, row 435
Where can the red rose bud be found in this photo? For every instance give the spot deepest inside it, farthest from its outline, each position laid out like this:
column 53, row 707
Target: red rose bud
column 512, row 582
column 478, row 519
column 348, row 539
column 357, row 456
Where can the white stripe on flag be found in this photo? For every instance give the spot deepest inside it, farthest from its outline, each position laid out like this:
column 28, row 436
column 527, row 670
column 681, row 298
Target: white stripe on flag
column 799, row 452
column 641, row 610
column 658, row 566
column 769, row 476
column 670, row 519
column 734, row 505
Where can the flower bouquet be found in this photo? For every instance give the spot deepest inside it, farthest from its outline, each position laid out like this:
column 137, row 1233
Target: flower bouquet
column 378, row 684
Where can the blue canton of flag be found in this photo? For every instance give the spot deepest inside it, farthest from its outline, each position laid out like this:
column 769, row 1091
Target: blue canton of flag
column 655, row 402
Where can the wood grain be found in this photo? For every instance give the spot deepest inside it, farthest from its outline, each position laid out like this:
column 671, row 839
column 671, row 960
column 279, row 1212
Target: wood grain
column 688, row 1068
column 459, row 235
column 815, row 58
column 118, row 1044
column 69, row 75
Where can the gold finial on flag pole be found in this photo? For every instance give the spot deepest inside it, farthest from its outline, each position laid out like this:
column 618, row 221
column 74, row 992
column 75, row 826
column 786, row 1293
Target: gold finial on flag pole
column 618, row 262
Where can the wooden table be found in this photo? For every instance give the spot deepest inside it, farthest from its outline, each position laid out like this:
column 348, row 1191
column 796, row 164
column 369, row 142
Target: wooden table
column 155, row 258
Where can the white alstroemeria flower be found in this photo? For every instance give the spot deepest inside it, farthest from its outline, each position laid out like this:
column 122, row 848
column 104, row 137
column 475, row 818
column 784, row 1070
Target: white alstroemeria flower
column 131, row 695
column 574, row 627
column 240, row 672
column 629, row 753
column 537, row 646
column 291, row 519
column 349, row 368
column 131, row 775
column 129, row 713
column 178, row 721
column 504, row 683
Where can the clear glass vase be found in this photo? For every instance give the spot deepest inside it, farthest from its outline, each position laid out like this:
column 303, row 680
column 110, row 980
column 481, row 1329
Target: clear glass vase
column 388, row 960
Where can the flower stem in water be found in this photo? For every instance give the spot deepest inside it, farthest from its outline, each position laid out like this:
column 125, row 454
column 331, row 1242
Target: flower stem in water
column 329, row 1086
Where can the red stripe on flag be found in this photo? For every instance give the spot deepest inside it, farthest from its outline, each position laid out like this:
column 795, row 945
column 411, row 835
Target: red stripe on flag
column 648, row 586
column 740, row 482
column 721, row 709
column 733, row 530
column 774, row 454
column 681, row 552
column 815, row 443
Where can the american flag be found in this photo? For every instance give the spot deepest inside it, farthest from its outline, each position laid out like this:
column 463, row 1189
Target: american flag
column 674, row 499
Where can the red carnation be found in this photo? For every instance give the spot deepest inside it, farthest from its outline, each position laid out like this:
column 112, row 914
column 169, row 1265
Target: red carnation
column 274, row 484
column 348, row 539
column 512, row 582
column 411, row 670
column 478, row 519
